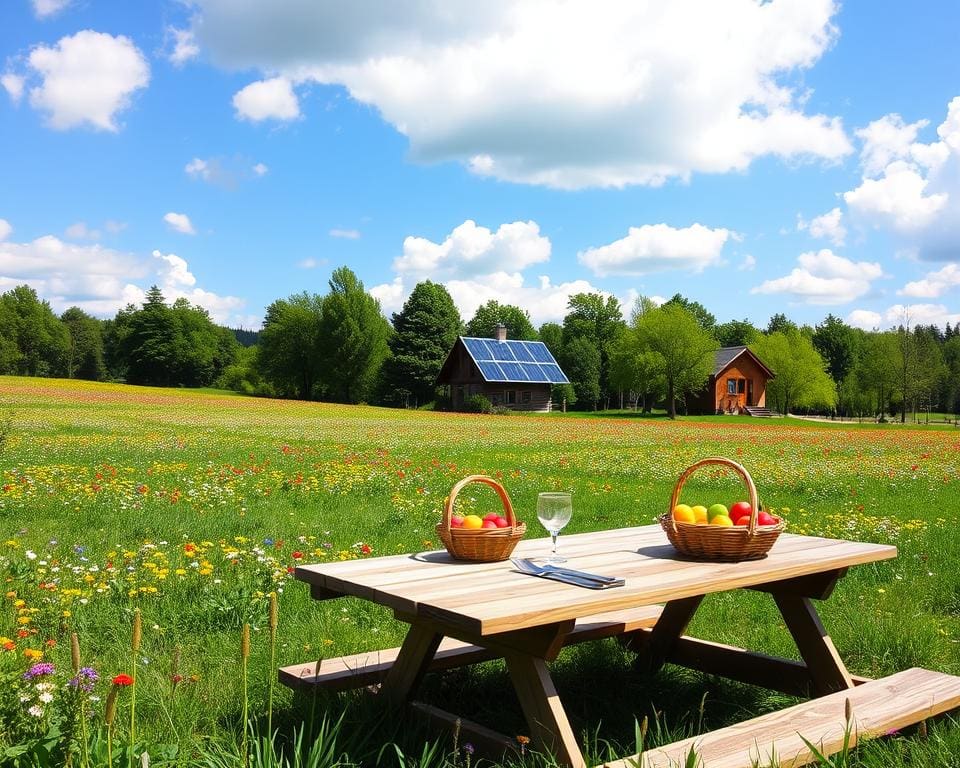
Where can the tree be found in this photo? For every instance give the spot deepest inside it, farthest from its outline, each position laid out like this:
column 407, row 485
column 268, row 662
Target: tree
column 801, row 379
column 836, row 342
column 9, row 350
column 780, row 323
column 290, row 357
column 149, row 346
column 877, row 368
column 704, row 318
column 686, row 350
column 951, row 356
column 599, row 320
column 581, row 362
column 202, row 349
column 736, row 333
column 424, row 332
column 354, row 338
column 636, row 369
column 41, row 339
column 85, row 351
column 551, row 334
column 484, row 322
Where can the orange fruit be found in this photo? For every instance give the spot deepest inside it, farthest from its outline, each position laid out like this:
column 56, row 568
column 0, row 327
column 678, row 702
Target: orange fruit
column 472, row 522
column 700, row 514
column 682, row 513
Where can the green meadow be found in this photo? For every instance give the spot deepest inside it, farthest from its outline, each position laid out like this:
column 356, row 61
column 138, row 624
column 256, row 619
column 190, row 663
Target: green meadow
column 194, row 507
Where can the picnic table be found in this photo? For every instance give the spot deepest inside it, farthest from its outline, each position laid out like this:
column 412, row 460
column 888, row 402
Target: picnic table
column 461, row 612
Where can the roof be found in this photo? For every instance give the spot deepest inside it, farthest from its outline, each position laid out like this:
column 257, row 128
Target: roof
column 726, row 355
column 510, row 362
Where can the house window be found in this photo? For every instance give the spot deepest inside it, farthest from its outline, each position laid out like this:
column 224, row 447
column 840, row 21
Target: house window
column 496, row 398
column 526, row 397
column 741, row 386
column 511, row 397
column 731, row 386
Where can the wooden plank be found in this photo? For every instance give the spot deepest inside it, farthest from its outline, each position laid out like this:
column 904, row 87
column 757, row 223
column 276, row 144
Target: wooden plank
column 673, row 621
column 878, row 707
column 734, row 663
column 358, row 670
column 416, row 653
column 550, row 730
column 827, row 670
column 487, row 742
column 817, row 585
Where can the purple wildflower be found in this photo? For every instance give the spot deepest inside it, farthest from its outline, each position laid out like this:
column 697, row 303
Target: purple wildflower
column 85, row 678
column 39, row 669
column 468, row 748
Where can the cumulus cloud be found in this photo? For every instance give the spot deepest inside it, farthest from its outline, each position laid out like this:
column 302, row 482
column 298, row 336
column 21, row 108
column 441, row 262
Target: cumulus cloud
column 44, row 9
column 897, row 198
column 183, row 46
column 567, row 95
column 824, row 278
column 345, row 234
column 5, row 229
column 828, row 225
column 13, row 85
column 655, row 248
column 900, row 314
column 749, row 263
column 473, row 250
column 259, row 169
column 886, row 140
column 102, row 280
column 86, row 79
column 934, row 284
column 80, row 231
column 272, row 99
column 179, row 222
column 865, row 319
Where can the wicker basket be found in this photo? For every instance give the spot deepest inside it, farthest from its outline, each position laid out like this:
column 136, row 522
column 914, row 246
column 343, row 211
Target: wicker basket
column 715, row 542
column 483, row 545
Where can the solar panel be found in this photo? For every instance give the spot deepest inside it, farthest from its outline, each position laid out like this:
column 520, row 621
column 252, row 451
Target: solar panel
column 501, row 350
column 516, row 371
column 522, row 352
column 554, row 374
column 515, row 361
column 478, row 348
column 491, row 371
column 540, row 353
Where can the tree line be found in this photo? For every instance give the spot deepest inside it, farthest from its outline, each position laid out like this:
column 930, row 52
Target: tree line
column 339, row 347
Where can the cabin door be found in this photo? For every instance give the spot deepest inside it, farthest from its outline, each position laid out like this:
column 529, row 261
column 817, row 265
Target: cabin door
column 750, row 392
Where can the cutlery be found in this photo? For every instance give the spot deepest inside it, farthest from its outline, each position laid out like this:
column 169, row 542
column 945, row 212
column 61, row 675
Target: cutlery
column 551, row 571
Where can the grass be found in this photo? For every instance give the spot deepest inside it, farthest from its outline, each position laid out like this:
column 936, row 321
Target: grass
column 193, row 506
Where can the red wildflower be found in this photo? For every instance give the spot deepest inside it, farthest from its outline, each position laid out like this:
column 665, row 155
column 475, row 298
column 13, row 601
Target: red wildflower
column 123, row 680
column 366, row 549
column 189, row 547
column 298, row 555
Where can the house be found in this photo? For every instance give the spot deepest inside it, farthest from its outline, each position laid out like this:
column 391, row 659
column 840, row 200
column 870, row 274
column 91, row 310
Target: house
column 738, row 383
column 514, row 374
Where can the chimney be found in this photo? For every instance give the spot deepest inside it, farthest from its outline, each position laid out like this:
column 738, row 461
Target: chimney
column 500, row 334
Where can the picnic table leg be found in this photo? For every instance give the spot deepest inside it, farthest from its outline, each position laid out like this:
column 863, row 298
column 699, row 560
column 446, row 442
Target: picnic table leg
column 413, row 660
column 654, row 648
column 827, row 671
column 549, row 728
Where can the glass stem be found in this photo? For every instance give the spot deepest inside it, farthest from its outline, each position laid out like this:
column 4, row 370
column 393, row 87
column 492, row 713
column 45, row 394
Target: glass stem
column 554, row 535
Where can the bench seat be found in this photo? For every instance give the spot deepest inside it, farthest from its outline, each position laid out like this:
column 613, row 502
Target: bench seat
column 362, row 669
column 878, row 707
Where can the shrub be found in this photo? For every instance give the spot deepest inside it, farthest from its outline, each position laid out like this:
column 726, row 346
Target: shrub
column 477, row 404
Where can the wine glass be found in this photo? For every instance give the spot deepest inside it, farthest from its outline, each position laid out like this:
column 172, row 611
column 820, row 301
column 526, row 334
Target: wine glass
column 553, row 512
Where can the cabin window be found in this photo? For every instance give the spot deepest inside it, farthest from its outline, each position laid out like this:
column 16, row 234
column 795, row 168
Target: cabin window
column 741, row 386
column 731, row 386
column 511, row 397
column 526, row 397
column 496, row 398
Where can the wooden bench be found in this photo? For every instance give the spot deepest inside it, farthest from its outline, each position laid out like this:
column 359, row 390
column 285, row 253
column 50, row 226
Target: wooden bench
column 363, row 669
column 878, row 707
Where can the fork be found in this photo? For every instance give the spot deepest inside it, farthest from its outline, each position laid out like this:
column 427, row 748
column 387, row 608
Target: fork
column 527, row 565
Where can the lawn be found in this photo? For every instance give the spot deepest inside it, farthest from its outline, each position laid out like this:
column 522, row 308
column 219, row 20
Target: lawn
column 195, row 506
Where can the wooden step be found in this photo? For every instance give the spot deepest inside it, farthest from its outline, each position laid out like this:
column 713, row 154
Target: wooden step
column 878, row 707
column 361, row 669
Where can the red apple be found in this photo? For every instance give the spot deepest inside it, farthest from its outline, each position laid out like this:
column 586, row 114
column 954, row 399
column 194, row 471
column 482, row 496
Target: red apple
column 456, row 521
column 739, row 509
column 502, row 522
column 763, row 518
column 492, row 516
column 489, row 524
column 743, row 520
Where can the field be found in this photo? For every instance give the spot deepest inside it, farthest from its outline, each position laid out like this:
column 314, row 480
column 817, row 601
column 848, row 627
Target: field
column 194, row 507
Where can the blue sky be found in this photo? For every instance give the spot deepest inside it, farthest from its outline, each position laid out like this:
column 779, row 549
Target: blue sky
column 795, row 156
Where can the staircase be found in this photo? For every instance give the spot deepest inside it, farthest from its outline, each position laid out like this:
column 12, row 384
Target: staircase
column 754, row 410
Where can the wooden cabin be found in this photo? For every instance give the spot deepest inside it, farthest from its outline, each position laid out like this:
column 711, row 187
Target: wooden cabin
column 514, row 374
column 737, row 385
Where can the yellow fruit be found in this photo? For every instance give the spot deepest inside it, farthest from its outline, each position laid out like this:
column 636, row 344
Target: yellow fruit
column 700, row 514
column 472, row 522
column 723, row 520
column 682, row 513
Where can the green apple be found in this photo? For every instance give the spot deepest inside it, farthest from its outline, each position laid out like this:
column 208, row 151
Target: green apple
column 717, row 509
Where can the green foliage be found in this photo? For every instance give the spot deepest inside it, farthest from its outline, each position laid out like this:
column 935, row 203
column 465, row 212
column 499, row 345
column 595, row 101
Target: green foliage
column 683, row 349
column 581, row 361
column 477, row 404
column 801, row 379
column 551, row 334
column 424, row 333
column 290, row 356
column 780, row 323
column 85, row 358
column 704, row 318
column 636, row 368
column 837, row 344
column 353, row 337
column 736, row 333
column 34, row 340
column 488, row 316
column 598, row 320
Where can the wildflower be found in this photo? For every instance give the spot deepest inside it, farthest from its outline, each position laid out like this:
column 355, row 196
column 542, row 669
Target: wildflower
column 123, row 680
column 36, row 710
column 84, row 679
column 297, row 555
column 468, row 748
column 39, row 670
column 33, row 654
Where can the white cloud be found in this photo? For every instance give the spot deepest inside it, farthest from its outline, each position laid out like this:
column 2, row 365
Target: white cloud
column 824, row 278
column 307, row 263
column 827, row 225
column 920, row 314
column 179, row 222
column 267, row 99
column 933, row 284
column 80, row 231
column 897, row 199
column 5, row 229
column 865, row 319
column 87, row 79
column 567, row 95
column 46, row 8
column 183, row 46
column 102, row 280
column 345, row 234
column 227, row 172
column 886, row 140
column 473, row 250
column 198, row 169
column 114, row 227
column 13, row 85
column 655, row 248
column 749, row 263
column 260, row 169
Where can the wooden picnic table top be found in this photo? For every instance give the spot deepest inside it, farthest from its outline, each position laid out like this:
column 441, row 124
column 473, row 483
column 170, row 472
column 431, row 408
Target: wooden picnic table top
column 489, row 598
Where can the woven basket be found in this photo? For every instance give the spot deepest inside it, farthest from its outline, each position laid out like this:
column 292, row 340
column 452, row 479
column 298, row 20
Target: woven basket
column 716, row 542
column 484, row 545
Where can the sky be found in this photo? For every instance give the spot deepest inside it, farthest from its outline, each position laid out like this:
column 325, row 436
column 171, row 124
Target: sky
column 794, row 156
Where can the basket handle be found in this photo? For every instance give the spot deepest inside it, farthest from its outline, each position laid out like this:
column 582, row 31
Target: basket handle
column 459, row 486
column 730, row 464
